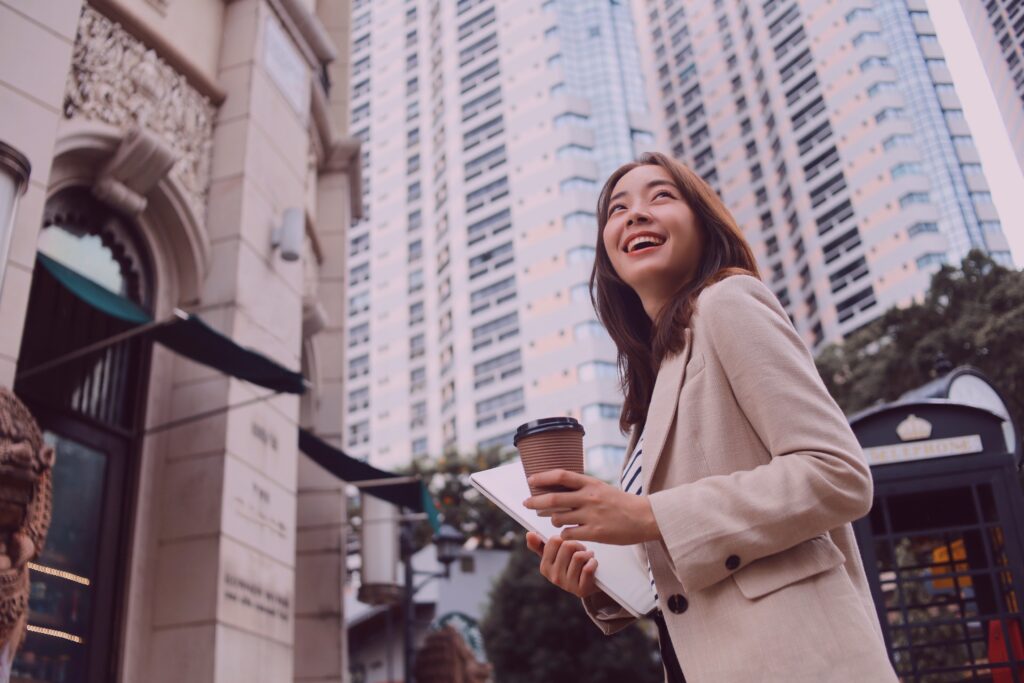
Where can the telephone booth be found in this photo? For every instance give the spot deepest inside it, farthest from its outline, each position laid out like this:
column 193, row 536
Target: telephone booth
column 943, row 545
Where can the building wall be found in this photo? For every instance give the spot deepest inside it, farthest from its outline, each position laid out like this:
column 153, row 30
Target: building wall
column 487, row 128
column 235, row 539
column 834, row 135
column 999, row 35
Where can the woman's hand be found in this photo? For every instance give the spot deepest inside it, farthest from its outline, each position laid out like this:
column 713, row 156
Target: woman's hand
column 567, row 564
column 599, row 511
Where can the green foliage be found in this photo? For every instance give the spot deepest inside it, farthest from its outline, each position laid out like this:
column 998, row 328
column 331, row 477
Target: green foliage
column 460, row 504
column 973, row 315
column 535, row 632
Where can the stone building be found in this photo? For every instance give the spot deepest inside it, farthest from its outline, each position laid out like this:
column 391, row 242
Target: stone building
column 189, row 160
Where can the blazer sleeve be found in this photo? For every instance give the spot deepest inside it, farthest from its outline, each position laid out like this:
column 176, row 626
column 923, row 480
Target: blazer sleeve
column 607, row 615
column 817, row 478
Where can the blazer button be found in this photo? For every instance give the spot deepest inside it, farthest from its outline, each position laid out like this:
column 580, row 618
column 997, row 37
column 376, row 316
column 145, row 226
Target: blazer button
column 732, row 562
column 677, row 604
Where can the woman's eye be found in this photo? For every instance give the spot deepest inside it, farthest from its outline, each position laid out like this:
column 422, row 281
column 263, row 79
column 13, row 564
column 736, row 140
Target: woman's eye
column 663, row 192
column 617, row 206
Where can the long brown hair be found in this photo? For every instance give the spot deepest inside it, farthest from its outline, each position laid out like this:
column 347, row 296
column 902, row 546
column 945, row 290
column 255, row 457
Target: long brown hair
column 643, row 344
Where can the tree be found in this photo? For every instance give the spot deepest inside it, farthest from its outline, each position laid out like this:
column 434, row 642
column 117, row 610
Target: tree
column 972, row 315
column 535, row 632
column 460, row 504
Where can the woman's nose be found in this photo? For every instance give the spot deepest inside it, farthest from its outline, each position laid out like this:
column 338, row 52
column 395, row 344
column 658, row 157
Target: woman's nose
column 636, row 217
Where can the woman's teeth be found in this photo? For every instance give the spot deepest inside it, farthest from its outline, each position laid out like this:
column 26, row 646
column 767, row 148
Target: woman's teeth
column 644, row 241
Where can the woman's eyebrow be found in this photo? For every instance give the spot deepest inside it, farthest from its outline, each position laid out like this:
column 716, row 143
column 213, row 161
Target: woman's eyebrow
column 653, row 183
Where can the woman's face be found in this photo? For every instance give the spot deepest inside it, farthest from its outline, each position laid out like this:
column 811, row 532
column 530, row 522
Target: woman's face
column 651, row 235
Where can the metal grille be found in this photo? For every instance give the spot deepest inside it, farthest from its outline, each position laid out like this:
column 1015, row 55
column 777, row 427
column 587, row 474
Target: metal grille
column 947, row 584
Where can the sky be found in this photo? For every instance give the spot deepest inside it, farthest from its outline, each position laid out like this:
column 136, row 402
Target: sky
column 1002, row 171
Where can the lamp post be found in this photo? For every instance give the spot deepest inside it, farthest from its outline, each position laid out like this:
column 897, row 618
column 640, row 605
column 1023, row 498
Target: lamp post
column 449, row 547
column 14, row 173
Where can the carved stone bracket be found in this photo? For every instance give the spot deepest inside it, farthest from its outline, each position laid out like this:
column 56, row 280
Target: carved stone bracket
column 135, row 169
column 118, row 80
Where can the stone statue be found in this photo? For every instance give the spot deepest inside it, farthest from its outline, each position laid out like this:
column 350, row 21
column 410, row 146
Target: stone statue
column 446, row 658
column 26, row 463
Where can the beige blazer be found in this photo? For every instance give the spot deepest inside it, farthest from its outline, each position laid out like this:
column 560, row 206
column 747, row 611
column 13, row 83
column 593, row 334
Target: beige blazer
column 754, row 476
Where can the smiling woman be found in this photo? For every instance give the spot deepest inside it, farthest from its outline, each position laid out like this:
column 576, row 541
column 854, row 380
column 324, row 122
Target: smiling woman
column 741, row 476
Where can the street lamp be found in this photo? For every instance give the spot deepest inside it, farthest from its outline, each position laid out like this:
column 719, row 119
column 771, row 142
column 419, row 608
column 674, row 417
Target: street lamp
column 14, row 172
column 449, row 547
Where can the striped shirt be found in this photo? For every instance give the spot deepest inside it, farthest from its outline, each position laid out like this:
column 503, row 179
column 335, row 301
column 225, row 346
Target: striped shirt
column 633, row 482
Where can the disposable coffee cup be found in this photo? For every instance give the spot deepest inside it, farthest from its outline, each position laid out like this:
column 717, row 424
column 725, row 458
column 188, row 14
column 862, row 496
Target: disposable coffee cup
column 550, row 443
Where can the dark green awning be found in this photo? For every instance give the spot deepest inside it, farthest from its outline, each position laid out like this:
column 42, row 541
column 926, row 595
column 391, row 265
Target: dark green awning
column 411, row 494
column 184, row 333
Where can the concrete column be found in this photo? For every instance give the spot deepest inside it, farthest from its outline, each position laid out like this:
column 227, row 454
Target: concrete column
column 36, row 39
column 224, row 606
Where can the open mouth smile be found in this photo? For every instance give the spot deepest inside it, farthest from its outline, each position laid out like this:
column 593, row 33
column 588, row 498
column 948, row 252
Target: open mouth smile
column 643, row 243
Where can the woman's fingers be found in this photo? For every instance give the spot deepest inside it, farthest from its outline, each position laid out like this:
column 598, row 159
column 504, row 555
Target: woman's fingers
column 576, row 564
column 588, row 585
column 535, row 543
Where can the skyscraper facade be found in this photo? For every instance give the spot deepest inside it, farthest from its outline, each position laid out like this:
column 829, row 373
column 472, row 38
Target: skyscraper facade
column 833, row 133
column 487, row 129
column 998, row 29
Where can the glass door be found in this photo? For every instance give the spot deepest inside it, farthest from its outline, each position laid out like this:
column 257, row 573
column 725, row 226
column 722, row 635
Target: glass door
column 71, row 606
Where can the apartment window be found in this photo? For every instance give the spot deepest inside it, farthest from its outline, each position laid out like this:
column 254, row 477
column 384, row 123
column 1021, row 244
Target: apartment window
column 575, row 151
column 971, row 169
column 415, row 251
column 416, row 313
column 482, row 20
column 410, row 38
column 480, row 48
column 981, row 197
column 841, row 245
column 912, row 198
column 848, row 274
column 358, row 399
column 802, row 88
column 492, row 295
column 922, row 228
column 491, row 260
column 412, row 164
column 821, row 163
column 793, row 67
column 360, row 113
column 358, row 303
column 417, row 379
column 780, row 24
column 496, row 330
column 359, row 244
column 597, row 369
column 828, row 189
column 873, row 62
column 805, row 115
column 931, row 259
column 497, row 368
column 834, row 217
column 792, row 41
column 889, row 113
column 881, row 87
column 417, row 346
column 577, row 184
column 359, row 433
column 820, row 134
column 557, row 89
column 482, row 133
column 582, row 254
column 361, row 43
column 488, row 227
column 479, row 76
column 360, row 273
column 858, row 13
column 865, row 36
column 488, row 194
column 503, row 406
column 359, row 334
column 589, row 329
column 414, row 191
column 359, row 366
column 481, row 103
column 897, row 140
column 415, row 280
column 595, row 412
column 487, row 161
column 571, row 119
column 579, row 293
column 908, row 168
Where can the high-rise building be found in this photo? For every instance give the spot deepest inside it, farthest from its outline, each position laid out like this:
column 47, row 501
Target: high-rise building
column 998, row 28
column 833, row 133
column 487, row 129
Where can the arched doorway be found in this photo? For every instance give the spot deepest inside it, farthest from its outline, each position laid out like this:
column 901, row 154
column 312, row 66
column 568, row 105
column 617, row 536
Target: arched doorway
column 90, row 410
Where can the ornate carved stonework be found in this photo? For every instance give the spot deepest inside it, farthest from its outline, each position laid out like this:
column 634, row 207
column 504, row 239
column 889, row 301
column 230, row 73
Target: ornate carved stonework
column 116, row 79
column 26, row 464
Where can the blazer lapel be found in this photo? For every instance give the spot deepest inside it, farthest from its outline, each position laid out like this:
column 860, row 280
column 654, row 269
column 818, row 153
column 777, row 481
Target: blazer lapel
column 662, row 411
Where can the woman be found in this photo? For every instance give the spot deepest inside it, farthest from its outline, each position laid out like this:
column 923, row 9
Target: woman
column 742, row 475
